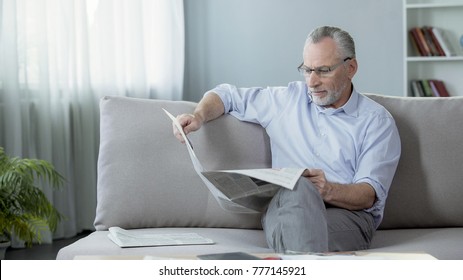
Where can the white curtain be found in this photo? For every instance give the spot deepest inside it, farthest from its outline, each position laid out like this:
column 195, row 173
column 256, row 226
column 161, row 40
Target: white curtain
column 57, row 59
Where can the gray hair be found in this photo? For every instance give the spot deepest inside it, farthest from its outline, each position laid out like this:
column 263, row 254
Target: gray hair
column 344, row 41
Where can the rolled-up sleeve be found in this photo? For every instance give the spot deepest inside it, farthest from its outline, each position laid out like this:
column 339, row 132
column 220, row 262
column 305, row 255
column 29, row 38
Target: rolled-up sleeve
column 255, row 104
column 378, row 160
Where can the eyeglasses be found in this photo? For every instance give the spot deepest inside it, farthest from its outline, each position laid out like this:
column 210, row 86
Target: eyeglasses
column 322, row 71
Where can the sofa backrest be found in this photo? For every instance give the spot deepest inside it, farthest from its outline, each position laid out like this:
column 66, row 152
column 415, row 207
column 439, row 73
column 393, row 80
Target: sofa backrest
column 145, row 175
column 146, row 178
column 427, row 190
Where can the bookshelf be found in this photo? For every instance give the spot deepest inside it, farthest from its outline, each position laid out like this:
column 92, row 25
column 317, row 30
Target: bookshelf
column 446, row 15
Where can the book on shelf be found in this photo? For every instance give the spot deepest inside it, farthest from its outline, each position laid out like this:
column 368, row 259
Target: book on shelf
column 444, row 41
column 428, row 88
column 430, row 41
column 439, row 87
column 419, row 42
column 417, row 89
column 434, row 41
column 432, row 44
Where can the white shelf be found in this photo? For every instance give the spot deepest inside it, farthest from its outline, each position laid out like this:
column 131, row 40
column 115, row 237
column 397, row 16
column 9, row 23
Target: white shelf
column 448, row 16
column 433, row 5
column 434, row 58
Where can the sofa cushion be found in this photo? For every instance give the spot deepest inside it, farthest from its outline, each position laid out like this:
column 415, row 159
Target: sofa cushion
column 226, row 240
column 441, row 243
column 146, row 178
column 427, row 188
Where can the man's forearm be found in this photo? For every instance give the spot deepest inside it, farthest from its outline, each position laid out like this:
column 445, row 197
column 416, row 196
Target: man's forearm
column 352, row 196
column 349, row 196
column 209, row 108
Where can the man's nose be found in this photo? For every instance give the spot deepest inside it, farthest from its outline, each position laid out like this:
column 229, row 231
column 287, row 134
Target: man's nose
column 312, row 80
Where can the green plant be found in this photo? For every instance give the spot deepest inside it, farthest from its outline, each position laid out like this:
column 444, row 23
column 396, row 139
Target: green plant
column 25, row 210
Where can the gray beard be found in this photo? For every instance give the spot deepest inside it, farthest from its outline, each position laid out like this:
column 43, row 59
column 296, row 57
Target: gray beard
column 327, row 100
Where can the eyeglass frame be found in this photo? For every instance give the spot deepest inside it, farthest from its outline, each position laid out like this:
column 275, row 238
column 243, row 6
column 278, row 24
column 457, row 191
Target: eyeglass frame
column 322, row 70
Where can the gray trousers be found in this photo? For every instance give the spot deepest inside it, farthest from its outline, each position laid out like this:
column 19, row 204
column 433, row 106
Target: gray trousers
column 297, row 220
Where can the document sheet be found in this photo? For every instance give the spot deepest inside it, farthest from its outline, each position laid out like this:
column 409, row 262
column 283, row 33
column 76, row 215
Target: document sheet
column 242, row 190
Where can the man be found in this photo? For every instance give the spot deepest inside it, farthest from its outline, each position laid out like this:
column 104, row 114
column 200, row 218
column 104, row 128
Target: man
column 348, row 144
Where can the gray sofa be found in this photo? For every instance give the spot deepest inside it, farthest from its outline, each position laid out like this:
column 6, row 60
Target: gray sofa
column 146, row 180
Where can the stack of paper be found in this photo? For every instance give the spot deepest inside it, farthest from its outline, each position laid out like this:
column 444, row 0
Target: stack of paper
column 128, row 238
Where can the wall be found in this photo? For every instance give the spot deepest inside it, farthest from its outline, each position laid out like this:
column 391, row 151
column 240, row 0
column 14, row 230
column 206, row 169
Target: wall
column 259, row 42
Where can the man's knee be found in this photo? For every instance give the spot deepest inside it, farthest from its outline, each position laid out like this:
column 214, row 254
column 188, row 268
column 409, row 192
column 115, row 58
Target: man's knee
column 295, row 220
column 304, row 192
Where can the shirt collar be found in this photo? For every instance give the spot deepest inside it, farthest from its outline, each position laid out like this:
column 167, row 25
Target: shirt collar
column 350, row 108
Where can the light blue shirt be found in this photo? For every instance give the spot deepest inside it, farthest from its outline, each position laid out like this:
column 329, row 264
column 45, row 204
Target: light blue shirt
column 358, row 142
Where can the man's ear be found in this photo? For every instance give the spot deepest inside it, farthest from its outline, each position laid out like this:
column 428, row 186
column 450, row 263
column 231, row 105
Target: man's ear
column 352, row 67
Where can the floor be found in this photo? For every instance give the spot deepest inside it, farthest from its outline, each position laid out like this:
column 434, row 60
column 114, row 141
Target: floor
column 41, row 252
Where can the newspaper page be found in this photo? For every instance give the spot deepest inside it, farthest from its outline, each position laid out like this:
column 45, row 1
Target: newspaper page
column 242, row 190
column 127, row 238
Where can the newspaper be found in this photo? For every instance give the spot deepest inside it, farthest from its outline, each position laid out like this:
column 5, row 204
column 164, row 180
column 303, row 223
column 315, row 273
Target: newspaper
column 244, row 190
column 127, row 238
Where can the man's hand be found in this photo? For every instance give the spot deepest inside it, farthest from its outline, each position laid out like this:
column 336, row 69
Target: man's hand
column 189, row 123
column 350, row 196
column 317, row 177
column 208, row 109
